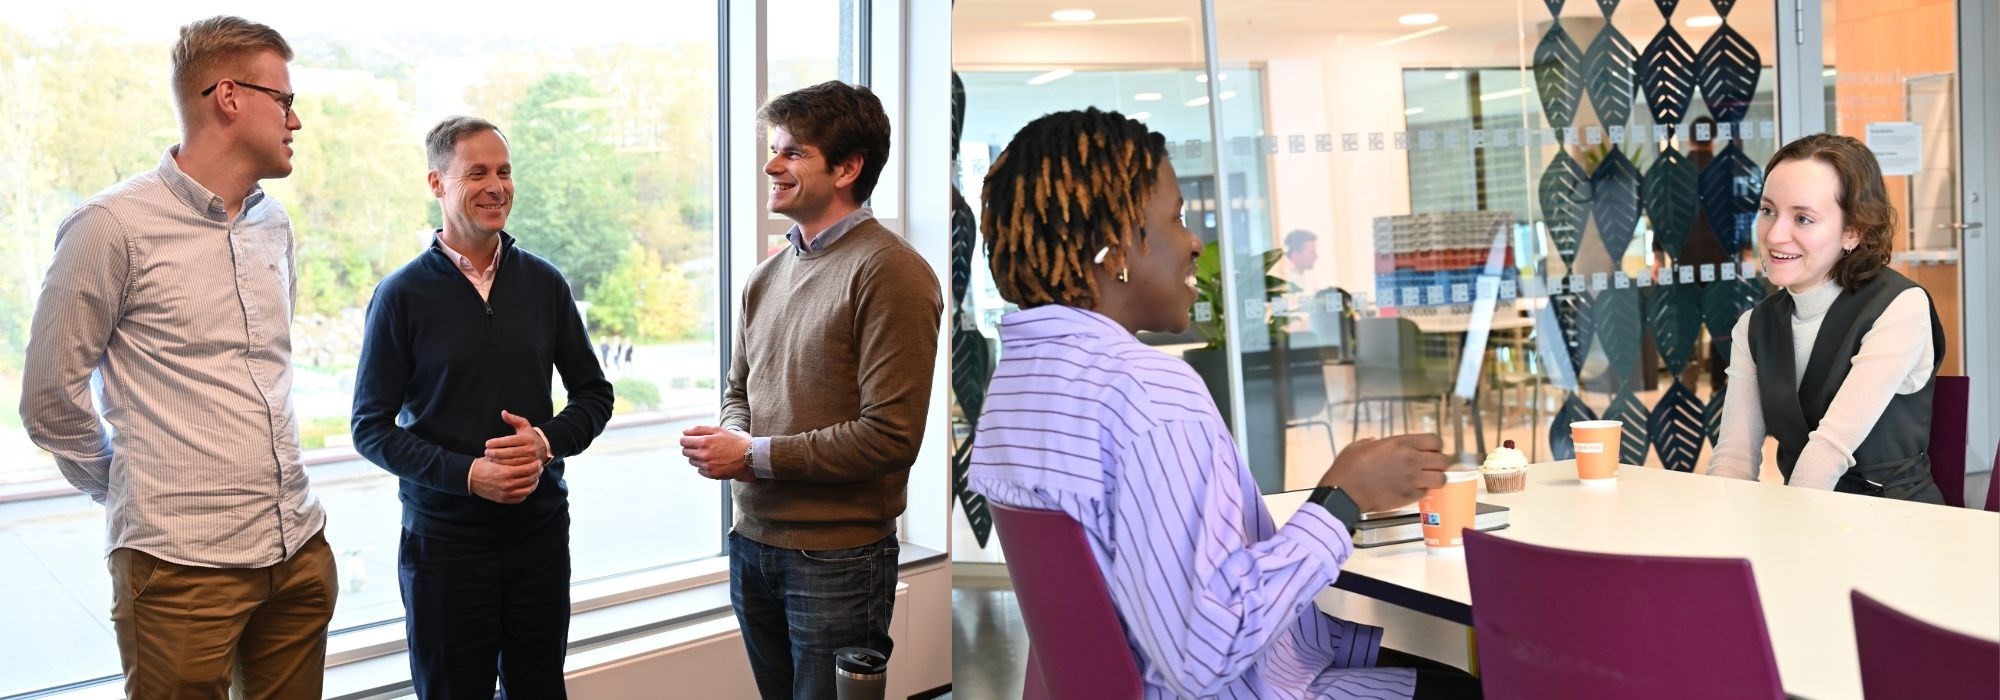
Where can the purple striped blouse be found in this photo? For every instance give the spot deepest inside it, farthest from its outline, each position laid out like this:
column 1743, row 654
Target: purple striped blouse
column 1217, row 601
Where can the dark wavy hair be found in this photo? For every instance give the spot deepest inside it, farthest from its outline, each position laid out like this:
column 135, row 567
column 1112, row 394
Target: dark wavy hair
column 1069, row 184
column 842, row 121
column 1864, row 201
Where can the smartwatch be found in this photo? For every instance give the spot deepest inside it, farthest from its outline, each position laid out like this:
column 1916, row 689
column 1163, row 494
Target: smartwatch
column 1338, row 503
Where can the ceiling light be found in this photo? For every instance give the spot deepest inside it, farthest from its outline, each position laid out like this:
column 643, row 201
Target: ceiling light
column 1148, row 97
column 1203, row 77
column 1418, row 19
column 1503, row 94
column 1142, row 116
column 1228, row 94
column 1050, row 77
column 1078, row 15
column 1699, row 21
column 1413, row 111
column 1828, row 73
column 1419, row 34
column 1197, row 102
column 1452, row 75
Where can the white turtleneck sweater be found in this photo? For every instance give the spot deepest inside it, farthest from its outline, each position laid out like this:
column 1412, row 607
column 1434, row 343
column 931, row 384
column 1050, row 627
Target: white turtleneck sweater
column 1895, row 358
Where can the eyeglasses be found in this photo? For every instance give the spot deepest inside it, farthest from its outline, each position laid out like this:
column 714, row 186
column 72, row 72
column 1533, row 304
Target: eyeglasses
column 284, row 99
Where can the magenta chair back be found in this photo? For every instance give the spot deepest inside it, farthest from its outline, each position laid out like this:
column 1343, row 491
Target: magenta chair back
column 1949, row 405
column 1554, row 623
column 1993, row 489
column 1903, row 657
column 1077, row 646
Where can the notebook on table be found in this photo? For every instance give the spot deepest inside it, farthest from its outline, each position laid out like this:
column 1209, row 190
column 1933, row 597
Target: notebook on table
column 1397, row 527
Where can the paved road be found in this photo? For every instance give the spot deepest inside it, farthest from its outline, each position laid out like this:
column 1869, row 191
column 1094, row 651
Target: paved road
column 634, row 503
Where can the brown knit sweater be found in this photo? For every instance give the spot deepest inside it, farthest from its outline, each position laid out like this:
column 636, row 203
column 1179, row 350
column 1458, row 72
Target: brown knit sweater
column 833, row 360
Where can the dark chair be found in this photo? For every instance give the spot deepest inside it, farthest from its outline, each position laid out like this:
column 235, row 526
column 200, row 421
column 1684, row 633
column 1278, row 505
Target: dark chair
column 1076, row 645
column 1949, row 402
column 1554, row 623
column 1903, row 657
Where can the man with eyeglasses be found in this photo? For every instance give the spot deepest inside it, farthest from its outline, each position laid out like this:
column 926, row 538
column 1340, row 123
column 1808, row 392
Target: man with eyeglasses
column 176, row 289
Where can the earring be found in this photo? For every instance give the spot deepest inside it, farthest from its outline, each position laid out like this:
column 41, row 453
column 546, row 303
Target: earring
column 1124, row 273
column 1844, row 252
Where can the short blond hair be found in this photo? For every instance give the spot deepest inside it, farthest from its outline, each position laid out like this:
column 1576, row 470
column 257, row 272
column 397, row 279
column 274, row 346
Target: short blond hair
column 211, row 45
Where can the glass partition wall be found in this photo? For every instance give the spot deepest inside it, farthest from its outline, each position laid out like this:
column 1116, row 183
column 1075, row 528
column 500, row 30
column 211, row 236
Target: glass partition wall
column 1482, row 219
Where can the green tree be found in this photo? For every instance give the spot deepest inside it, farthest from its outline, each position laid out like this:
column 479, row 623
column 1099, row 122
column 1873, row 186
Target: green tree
column 642, row 299
column 573, row 202
column 357, row 197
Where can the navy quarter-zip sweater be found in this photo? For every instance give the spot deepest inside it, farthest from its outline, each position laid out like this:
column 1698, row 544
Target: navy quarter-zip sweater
column 438, row 364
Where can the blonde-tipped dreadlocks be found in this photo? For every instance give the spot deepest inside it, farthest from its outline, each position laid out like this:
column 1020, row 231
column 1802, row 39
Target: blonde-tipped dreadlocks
column 1067, row 186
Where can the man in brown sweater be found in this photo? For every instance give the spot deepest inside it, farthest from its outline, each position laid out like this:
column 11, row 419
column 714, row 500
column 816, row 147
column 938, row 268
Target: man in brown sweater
column 824, row 412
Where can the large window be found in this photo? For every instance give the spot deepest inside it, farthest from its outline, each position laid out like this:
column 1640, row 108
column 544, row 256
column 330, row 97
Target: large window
column 614, row 138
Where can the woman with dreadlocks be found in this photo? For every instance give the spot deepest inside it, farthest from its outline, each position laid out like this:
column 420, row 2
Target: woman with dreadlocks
column 1084, row 233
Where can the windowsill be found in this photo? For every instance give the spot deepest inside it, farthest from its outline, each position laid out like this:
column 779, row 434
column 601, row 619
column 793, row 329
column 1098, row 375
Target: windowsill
column 601, row 635
column 619, row 617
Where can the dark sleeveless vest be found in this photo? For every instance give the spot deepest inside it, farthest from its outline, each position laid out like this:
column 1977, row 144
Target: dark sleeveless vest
column 1893, row 461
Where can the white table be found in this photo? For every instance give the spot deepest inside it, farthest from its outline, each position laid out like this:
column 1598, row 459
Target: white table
column 1807, row 549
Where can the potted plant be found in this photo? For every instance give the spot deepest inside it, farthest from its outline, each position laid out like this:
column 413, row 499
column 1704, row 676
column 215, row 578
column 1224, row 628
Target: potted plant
column 1264, row 423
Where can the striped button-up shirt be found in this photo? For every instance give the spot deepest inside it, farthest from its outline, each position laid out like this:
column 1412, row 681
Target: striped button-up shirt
column 1217, row 601
column 185, row 316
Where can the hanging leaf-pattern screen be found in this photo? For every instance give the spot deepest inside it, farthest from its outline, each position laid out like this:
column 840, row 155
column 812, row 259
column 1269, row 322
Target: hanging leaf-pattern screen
column 1557, row 63
column 1608, row 65
column 1614, row 201
column 1728, row 68
column 1669, row 195
column 1666, row 75
column 1677, row 427
column 1561, row 446
column 1616, row 312
column 1674, row 314
column 1730, row 186
column 1633, row 441
column 1578, row 326
column 1563, row 202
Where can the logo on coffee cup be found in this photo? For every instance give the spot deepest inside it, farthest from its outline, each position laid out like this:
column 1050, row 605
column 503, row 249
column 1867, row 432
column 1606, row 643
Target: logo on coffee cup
column 1590, row 447
column 1433, row 519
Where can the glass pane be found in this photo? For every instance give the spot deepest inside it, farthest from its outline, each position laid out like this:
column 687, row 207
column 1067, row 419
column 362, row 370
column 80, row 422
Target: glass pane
column 1018, row 63
column 1875, row 79
column 807, row 42
column 1464, row 216
column 613, row 143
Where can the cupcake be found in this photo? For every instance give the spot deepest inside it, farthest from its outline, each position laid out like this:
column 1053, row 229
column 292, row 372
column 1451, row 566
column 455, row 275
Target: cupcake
column 1506, row 469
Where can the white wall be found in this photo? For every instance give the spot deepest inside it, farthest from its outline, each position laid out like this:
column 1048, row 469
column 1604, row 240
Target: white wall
column 708, row 660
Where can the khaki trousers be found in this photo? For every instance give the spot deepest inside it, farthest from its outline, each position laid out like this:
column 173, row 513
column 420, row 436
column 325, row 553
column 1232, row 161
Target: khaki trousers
column 189, row 631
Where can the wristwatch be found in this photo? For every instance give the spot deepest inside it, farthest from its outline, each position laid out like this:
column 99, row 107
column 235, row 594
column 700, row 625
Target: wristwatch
column 1338, row 503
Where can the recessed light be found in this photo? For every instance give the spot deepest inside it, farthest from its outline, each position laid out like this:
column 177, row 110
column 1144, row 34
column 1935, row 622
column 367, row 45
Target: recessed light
column 1051, row 76
column 1417, row 19
column 1197, row 102
column 1077, row 15
column 1228, row 94
column 1413, row 111
column 1203, row 77
column 1148, row 97
column 1141, row 116
column 1828, row 73
column 1452, row 75
column 1703, row 21
column 1503, row 94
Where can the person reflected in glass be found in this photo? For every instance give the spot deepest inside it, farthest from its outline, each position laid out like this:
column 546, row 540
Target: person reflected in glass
column 1083, row 231
column 451, row 395
column 1838, row 364
column 176, row 287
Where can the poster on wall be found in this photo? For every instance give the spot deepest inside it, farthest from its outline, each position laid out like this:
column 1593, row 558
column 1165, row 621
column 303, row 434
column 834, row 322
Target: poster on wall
column 1898, row 146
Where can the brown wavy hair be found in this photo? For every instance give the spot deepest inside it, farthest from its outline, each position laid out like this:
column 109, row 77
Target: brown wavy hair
column 1863, row 198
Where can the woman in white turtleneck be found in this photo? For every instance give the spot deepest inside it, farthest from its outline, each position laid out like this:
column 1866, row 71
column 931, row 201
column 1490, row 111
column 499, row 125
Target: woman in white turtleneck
column 1836, row 365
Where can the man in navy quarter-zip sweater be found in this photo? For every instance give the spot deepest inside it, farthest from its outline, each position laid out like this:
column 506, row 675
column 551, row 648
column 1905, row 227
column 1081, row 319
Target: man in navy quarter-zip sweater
column 452, row 396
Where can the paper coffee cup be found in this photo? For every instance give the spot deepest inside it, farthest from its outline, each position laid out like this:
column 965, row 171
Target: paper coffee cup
column 1447, row 511
column 1597, row 444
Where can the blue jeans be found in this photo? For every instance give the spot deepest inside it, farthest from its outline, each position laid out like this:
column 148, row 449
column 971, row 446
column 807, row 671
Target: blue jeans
column 797, row 607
